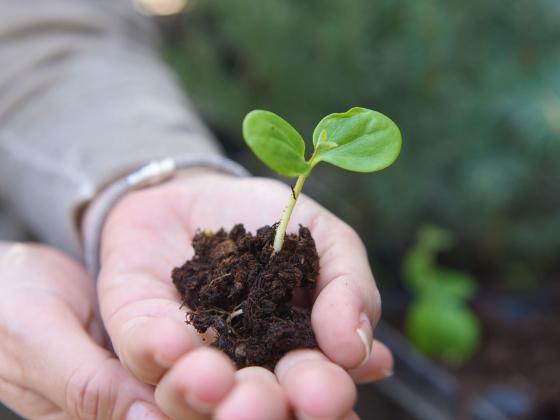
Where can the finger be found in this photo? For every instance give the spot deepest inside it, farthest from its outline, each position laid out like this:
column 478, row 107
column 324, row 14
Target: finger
column 196, row 384
column 57, row 358
column 27, row 403
column 139, row 304
column 351, row 416
column 347, row 304
column 379, row 365
column 152, row 345
column 315, row 387
column 256, row 395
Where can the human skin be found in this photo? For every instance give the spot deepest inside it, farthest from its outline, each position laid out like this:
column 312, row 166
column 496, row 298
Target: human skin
column 149, row 232
column 53, row 364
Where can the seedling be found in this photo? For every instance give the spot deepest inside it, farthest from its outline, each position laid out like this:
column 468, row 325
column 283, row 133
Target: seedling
column 232, row 285
column 439, row 321
column 359, row 140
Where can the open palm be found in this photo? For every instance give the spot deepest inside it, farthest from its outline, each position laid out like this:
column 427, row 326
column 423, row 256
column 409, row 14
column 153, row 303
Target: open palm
column 149, row 233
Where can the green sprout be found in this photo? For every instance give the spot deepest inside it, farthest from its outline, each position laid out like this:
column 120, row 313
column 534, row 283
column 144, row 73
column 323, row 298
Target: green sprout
column 359, row 140
column 439, row 321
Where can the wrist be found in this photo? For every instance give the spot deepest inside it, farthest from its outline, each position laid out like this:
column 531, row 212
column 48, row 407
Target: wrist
column 152, row 175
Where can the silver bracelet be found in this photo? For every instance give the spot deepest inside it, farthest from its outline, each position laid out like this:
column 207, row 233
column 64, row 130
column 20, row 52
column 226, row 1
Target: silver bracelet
column 151, row 174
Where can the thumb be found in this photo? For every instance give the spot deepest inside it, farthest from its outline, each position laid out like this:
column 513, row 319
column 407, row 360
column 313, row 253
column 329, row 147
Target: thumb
column 49, row 304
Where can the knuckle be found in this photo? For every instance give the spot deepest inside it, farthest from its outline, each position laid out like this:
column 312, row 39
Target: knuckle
column 87, row 397
column 12, row 366
column 349, row 235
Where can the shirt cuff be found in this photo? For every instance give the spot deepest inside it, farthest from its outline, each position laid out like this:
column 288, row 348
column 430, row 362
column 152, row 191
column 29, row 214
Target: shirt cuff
column 150, row 174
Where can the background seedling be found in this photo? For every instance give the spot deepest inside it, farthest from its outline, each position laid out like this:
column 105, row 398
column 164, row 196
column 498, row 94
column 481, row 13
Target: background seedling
column 359, row 140
column 439, row 321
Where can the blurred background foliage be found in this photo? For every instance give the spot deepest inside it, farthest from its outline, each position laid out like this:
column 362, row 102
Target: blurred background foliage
column 474, row 86
column 438, row 321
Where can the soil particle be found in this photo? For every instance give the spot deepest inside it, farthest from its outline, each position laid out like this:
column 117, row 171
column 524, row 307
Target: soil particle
column 235, row 286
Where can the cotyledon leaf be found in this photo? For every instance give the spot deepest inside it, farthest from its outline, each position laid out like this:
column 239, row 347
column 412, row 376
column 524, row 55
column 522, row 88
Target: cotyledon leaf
column 367, row 141
column 275, row 142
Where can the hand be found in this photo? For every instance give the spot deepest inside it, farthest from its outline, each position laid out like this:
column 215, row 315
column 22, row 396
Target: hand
column 51, row 363
column 149, row 232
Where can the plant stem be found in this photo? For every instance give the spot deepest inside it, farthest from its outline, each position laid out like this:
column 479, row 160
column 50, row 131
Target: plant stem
column 286, row 214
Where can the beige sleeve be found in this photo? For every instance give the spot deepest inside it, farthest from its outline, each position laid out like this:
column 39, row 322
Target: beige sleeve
column 84, row 100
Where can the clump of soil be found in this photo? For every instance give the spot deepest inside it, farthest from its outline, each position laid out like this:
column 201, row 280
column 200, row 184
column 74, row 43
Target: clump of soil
column 235, row 287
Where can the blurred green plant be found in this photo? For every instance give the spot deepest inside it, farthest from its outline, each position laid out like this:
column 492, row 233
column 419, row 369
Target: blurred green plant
column 474, row 84
column 439, row 322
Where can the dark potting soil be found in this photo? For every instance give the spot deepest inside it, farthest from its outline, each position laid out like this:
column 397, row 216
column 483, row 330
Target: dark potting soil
column 235, row 288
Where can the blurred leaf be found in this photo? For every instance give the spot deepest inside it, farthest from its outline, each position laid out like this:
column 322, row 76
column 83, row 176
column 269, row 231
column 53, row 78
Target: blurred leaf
column 434, row 239
column 443, row 330
column 455, row 285
column 438, row 322
column 423, row 274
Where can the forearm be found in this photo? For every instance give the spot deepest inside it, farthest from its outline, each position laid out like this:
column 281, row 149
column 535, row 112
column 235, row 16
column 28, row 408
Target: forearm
column 84, row 100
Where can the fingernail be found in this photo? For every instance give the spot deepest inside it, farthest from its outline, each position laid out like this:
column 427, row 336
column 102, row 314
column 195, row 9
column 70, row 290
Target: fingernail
column 374, row 376
column 143, row 411
column 302, row 416
column 198, row 405
column 294, row 358
column 365, row 333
